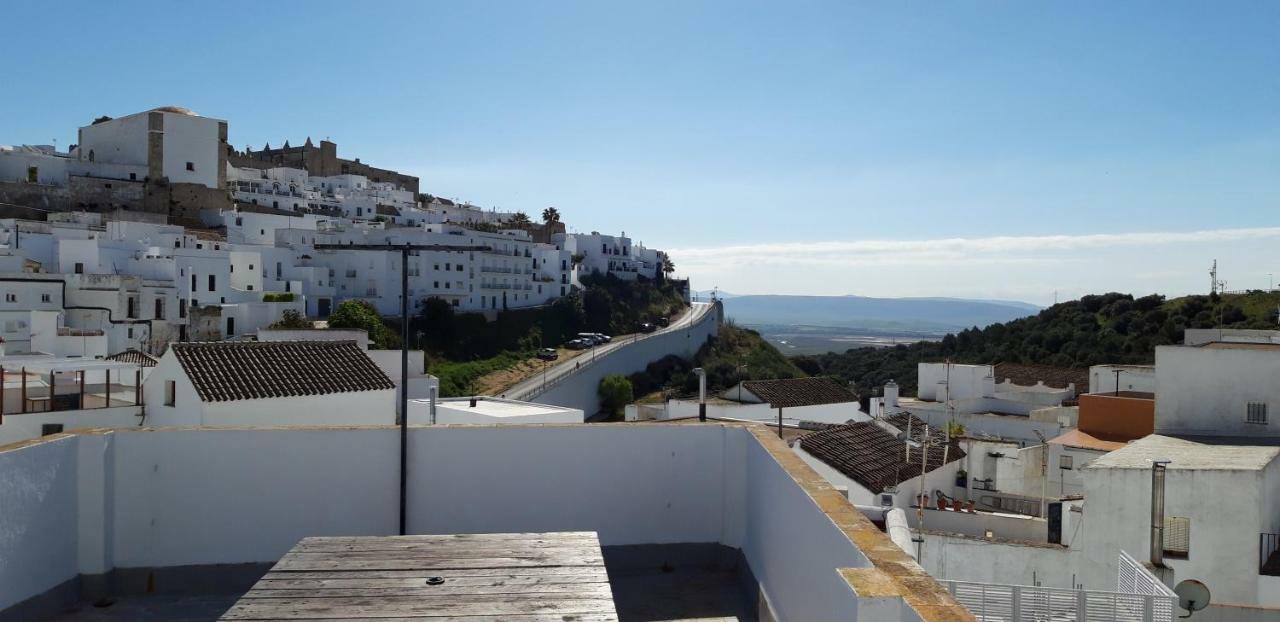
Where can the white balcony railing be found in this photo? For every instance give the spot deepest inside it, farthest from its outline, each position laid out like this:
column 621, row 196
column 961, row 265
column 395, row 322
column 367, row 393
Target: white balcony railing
column 1140, row 597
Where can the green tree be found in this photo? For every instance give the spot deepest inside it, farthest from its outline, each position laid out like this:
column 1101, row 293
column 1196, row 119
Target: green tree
column 550, row 215
column 291, row 319
column 520, row 218
column 360, row 314
column 615, row 393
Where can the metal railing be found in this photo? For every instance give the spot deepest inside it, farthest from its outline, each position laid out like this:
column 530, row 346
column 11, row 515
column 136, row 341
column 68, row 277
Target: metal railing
column 1019, row 603
column 1268, row 544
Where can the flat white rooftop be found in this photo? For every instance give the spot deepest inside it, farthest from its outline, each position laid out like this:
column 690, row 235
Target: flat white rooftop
column 1185, row 454
column 491, row 407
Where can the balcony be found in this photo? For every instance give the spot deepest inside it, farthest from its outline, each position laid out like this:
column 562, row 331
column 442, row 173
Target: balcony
column 716, row 520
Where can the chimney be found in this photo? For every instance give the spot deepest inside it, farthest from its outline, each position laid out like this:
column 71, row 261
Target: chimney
column 891, row 393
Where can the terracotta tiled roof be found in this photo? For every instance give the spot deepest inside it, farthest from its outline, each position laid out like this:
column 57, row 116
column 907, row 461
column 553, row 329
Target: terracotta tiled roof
column 907, row 422
column 228, row 371
column 1084, row 440
column 871, row 456
column 792, row 392
column 137, row 357
column 1057, row 377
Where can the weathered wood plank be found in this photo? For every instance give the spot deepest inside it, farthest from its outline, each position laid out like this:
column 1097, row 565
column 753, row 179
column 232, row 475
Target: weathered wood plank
column 268, row 583
column 531, row 571
column 384, row 607
column 564, row 536
column 531, row 617
column 433, row 564
column 548, row 554
column 448, row 545
column 428, row 591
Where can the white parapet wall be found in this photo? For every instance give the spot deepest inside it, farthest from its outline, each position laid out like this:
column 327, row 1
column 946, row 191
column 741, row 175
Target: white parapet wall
column 86, row 504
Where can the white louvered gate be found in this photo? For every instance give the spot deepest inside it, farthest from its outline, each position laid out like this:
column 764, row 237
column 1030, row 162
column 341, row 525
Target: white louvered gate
column 1140, row 598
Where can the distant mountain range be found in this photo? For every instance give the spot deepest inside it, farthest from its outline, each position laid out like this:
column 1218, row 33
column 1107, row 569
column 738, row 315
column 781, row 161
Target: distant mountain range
column 913, row 316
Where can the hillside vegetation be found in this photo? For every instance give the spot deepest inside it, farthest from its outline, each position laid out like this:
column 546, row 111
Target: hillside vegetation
column 1106, row 328
column 721, row 357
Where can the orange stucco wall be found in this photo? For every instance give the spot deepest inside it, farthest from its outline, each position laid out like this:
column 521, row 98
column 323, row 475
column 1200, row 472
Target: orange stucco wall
column 1117, row 418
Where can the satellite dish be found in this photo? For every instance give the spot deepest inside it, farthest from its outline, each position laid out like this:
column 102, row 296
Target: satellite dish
column 1192, row 595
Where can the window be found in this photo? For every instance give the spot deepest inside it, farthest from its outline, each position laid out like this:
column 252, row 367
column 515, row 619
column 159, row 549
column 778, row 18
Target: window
column 459, row 267
column 182, row 308
column 191, row 166
column 79, row 268
column 46, row 298
column 159, row 310
column 132, row 307
column 1066, row 463
column 170, row 393
column 213, row 282
column 131, row 332
column 1177, row 536
column 133, row 177
column 33, row 174
column 231, row 326
column 193, row 281
column 10, row 297
column 1256, row 412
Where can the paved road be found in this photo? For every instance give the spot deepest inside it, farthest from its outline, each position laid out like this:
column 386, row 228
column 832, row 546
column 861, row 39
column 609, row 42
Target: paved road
column 533, row 385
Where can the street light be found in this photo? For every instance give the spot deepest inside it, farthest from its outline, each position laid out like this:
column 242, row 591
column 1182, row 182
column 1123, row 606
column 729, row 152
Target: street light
column 404, row 250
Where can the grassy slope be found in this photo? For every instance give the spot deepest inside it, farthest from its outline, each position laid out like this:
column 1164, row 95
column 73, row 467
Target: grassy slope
column 1109, row 328
column 720, row 357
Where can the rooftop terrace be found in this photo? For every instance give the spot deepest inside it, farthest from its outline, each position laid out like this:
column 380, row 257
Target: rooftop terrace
column 696, row 521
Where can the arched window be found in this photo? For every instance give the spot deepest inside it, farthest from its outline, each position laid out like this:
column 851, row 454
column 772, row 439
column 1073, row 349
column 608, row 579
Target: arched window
column 90, row 155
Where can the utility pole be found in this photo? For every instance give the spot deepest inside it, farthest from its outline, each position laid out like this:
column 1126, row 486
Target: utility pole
column 1044, row 473
column 924, row 468
column 403, row 417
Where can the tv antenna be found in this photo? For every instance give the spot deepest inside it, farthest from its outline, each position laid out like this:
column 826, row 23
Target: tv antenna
column 1192, row 596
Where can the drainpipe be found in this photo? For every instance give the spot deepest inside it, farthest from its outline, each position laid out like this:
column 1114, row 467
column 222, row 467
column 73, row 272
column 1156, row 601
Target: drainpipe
column 1157, row 512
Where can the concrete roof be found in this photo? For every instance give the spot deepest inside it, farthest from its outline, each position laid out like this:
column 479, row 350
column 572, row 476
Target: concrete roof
column 1188, row 455
column 491, row 407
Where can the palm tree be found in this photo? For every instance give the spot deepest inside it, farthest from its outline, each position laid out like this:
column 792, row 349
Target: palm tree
column 550, row 215
column 520, row 218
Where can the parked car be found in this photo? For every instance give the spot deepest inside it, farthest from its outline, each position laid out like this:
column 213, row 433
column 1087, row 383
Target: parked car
column 592, row 339
column 605, row 338
column 662, row 321
column 647, row 327
column 577, row 344
column 548, row 354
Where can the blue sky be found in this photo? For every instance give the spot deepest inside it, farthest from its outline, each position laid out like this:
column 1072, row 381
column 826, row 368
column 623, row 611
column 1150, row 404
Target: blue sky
column 743, row 135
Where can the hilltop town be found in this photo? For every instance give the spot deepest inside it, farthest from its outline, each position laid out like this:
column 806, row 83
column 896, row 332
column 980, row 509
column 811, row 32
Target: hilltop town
column 152, row 229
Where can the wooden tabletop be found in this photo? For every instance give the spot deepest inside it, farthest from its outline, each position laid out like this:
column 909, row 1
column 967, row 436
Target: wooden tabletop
column 521, row 577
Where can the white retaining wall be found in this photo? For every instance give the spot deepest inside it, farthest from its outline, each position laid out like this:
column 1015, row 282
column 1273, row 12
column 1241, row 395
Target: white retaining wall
column 579, row 390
